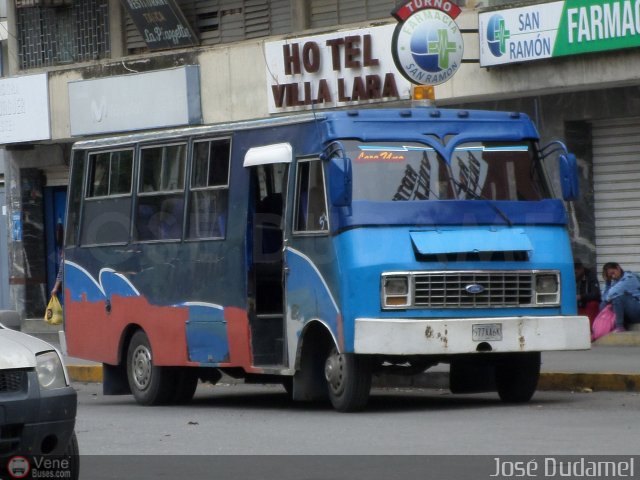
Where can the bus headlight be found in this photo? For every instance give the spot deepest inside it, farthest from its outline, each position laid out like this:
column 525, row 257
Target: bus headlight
column 547, row 289
column 395, row 291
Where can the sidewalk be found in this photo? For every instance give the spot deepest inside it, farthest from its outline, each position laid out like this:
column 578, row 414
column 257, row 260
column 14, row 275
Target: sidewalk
column 612, row 364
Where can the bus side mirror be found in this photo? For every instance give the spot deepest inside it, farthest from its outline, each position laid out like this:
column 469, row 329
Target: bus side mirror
column 340, row 180
column 569, row 176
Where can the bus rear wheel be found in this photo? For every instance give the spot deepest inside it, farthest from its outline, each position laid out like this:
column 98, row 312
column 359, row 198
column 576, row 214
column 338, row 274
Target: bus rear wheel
column 150, row 384
column 348, row 379
column 186, row 383
column 517, row 377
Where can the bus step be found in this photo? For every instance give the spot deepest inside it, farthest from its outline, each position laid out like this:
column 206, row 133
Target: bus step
column 267, row 339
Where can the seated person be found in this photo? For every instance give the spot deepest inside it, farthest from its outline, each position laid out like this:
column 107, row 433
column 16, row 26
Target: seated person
column 622, row 291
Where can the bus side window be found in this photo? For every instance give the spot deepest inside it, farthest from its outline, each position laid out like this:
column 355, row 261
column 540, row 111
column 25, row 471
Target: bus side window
column 209, row 189
column 311, row 201
column 75, row 197
column 160, row 210
column 107, row 205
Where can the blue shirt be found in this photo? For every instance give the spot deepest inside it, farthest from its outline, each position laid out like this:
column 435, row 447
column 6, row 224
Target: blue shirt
column 628, row 284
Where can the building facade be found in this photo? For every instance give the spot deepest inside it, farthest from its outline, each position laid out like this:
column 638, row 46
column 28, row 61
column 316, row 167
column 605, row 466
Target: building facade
column 77, row 69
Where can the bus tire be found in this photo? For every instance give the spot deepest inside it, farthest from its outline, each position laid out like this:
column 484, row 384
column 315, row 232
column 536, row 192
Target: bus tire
column 287, row 383
column 348, row 380
column 185, row 386
column 150, row 385
column 517, row 377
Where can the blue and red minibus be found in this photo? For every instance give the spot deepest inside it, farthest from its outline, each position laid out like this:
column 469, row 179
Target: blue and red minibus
column 318, row 250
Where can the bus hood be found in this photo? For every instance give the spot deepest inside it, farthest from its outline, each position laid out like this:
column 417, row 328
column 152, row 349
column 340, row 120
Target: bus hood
column 472, row 240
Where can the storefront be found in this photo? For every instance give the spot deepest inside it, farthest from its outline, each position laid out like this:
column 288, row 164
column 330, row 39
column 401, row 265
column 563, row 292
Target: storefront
column 34, row 168
column 584, row 91
column 568, row 46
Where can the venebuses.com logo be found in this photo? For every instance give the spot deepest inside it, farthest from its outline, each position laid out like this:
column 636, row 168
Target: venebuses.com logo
column 19, row 467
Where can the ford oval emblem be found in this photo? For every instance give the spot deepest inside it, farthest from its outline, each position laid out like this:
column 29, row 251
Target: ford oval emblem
column 474, row 288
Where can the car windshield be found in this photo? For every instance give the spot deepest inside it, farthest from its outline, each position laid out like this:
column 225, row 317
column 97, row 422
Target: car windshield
column 411, row 171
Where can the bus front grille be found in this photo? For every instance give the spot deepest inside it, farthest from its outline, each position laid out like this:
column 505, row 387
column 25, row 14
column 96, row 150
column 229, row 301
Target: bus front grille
column 473, row 289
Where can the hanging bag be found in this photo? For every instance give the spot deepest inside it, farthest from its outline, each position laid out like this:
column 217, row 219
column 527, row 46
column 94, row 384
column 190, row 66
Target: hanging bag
column 53, row 314
column 604, row 323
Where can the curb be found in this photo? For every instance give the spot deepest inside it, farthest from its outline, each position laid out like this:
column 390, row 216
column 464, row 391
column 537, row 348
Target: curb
column 610, row 382
column 85, row 373
column 622, row 339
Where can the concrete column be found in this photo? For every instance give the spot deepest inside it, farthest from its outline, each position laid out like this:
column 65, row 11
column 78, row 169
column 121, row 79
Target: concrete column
column 27, row 266
column 116, row 29
column 12, row 40
column 300, row 12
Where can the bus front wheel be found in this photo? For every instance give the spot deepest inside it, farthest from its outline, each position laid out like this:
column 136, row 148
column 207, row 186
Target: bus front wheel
column 517, row 377
column 150, row 385
column 348, row 379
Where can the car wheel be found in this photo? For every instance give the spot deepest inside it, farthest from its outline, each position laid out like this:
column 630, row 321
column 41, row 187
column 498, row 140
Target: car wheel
column 150, row 384
column 72, row 453
column 348, row 379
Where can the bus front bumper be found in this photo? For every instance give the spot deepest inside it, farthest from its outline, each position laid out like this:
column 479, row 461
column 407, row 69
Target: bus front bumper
column 402, row 336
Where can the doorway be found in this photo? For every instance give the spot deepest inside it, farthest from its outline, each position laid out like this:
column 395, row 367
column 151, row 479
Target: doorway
column 265, row 240
column 55, row 200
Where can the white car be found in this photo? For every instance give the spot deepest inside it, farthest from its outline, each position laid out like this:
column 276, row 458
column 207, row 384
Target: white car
column 37, row 403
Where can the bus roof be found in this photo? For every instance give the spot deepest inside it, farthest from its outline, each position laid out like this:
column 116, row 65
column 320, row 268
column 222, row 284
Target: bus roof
column 364, row 124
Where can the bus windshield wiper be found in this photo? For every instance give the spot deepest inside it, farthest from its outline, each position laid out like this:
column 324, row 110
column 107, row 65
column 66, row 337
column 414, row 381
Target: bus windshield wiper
column 464, row 187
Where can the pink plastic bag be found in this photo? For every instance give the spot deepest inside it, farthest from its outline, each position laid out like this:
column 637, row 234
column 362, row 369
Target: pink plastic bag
column 604, row 323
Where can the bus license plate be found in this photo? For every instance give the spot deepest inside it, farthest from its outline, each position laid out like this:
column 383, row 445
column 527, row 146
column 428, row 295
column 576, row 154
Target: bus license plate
column 487, row 331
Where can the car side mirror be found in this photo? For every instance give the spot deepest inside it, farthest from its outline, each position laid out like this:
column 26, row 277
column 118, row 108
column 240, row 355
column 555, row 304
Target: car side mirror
column 569, row 176
column 340, row 181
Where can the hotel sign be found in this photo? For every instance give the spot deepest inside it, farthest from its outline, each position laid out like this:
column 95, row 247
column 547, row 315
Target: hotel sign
column 556, row 29
column 338, row 69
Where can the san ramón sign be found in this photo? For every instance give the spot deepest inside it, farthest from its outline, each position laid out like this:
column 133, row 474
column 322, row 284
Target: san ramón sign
column 427, row 44
column 555, row 29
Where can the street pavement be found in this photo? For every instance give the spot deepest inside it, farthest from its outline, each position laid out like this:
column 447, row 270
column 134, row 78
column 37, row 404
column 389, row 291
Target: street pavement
column 612, row 364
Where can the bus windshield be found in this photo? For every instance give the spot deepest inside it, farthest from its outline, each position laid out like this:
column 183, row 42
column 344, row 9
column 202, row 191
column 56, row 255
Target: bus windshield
column 477, row 171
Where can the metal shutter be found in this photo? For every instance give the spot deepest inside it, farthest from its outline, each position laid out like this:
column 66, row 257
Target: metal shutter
column 616, row 176
column 132, row 37
column 280, row 17
column 329, row 13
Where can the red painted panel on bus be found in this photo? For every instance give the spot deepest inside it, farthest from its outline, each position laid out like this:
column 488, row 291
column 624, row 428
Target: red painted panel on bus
column 239, row 336
column 95, row 334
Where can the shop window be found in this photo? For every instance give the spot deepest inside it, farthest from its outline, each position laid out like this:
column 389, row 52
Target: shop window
column 160, row 206
column 209, row 189
column 311, row 201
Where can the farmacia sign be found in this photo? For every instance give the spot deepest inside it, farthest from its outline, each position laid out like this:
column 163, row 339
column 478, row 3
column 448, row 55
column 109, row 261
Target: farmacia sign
column 556, row 29
column 427, row 44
